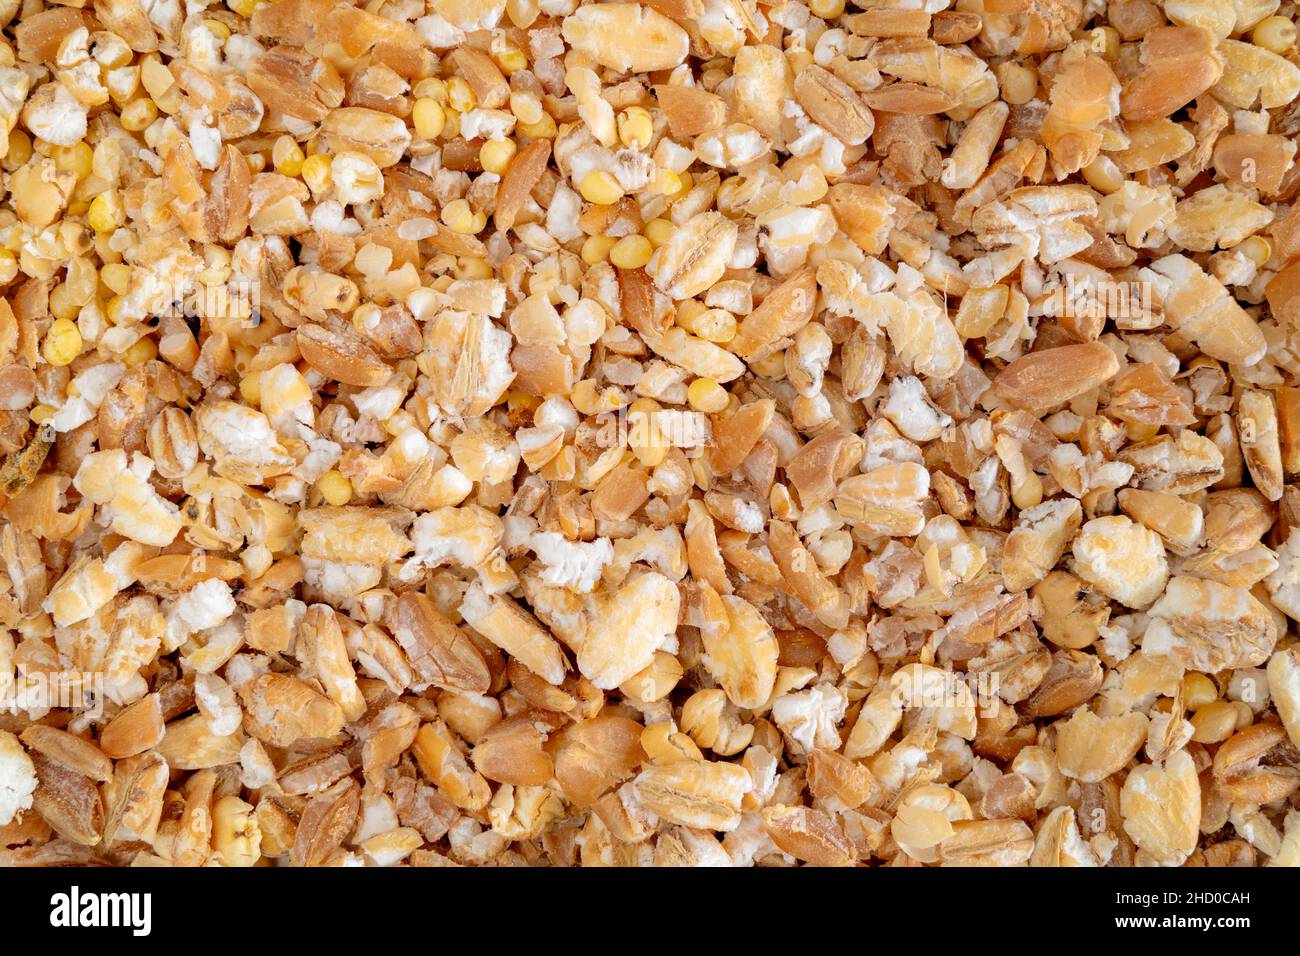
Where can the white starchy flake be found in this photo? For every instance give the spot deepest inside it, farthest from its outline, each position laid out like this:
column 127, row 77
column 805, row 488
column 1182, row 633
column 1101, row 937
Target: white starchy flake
column 811, row 717
column 571, row 564
column 17, row 778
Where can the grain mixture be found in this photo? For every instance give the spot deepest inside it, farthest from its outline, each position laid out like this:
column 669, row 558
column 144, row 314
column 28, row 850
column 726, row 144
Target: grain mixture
column 718, row 432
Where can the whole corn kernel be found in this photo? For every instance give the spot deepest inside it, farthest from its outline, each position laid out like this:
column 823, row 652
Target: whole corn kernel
column 1019, row 83
column 20, row 148
column 116, row 276
column 495, row 155
column 41, row 413
column 600, row 187
column 826, row 9
column 144, row 350
column 635, row 128
column 459, row 95
column 658, row 231
column 544, row 128
column 1198, row 690
column 631, row 252
column 287, row 156
column 139, row 114
column 1275, row 34
column 1257, row 249
column 61, row 303
column 78, row 159
column 250, row 386
column 772, row 367
column 668, row 182
column 317, row 172
column 472, row 268
column 459, row 217
column 1214, row 722
column 115, row 309
column 511, row 60
column 431, row 88
column 245, row 8
column 522, row 13
column 706, row 395
column 62, row 342
column 335, row 488
column 106, row 211
column 1104, row 175
column 218, row 30
column 596, row 249
column 429, row 117
column 712, row 325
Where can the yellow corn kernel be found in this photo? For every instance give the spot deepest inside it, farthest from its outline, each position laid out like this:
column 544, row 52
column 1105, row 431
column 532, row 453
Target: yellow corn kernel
column 459, row 217
column 522, row 13
column 706, row 395
column 668, row 182
column 772, row 367
column 335, row 488
column 647, row 442
column 664, row 743
column 631, row 252
column 1019, row 83
column 431, row 88
column 1104, row 175
column 585, row 397
column 62, row 342
column 287, row 156
column 61, row 304
column 106, row 211
column 139, row 114
column 635, row 128
column 600, row 187
column 659, row 231
column 20, row 147
column 144, row 350
column 41, row 413
column 459, row 95
column 826, row 9
column 1214, row 722
column 712, row 325
column 429, row 117
column 544, row 128
column 511, row 60
column 250, row 386
column 470, row 268
column 1198, row 690
column 1245, row 715
column 1257, row 249
column 218, row 30
column 495, row 155
column 114, row 309
column 596, row 249
column 244, row 8
column 77, row 158
column 1275, row 34
column 116, row 276
column 317, row 171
